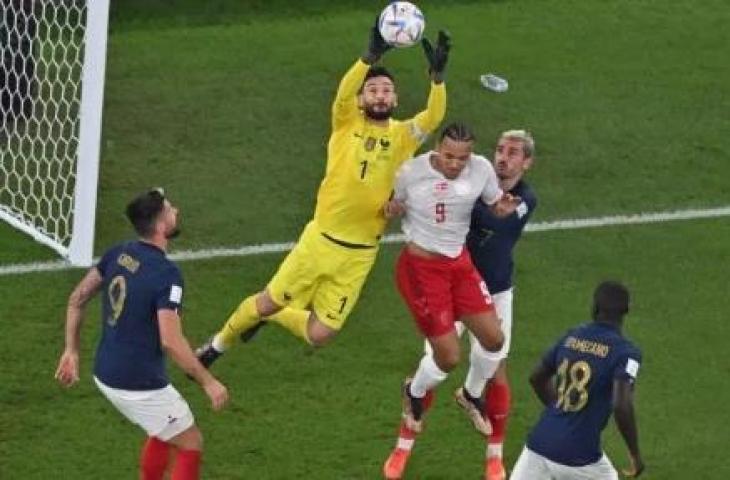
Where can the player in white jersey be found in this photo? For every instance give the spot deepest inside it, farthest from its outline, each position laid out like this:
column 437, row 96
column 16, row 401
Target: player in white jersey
column 436, row 192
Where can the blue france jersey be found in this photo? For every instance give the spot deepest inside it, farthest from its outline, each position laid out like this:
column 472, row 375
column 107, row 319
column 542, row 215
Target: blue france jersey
column 586, row 362
column 138, row 280
column 491, row 239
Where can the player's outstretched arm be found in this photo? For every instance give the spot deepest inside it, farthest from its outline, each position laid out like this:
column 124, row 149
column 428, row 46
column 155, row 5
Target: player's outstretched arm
column 178, row 348
column 67, row 372
column 623, row 413
column 541, row 381
column 345, row 107
column 429, row 119
column 438, row 56
column 377, row 46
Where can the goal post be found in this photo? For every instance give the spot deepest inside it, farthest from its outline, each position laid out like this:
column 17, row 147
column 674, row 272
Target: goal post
column 52, row 63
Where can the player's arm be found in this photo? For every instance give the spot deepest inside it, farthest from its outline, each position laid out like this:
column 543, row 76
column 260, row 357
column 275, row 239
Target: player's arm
column 177, row 347
column 623, row 414
column 394, row 208
column 541, row 380
column 623, row 410
column 396, row 205
column 345, row 105
column 481, row 216
column 67, row 372
column 505, row 206
column 429, row 119
column 501, row 204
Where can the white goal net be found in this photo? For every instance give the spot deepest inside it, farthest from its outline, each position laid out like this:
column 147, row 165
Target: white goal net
column 52, row 57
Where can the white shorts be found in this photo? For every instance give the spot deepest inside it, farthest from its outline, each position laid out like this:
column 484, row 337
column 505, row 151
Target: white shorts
column 503, row 306
column 532, row 466
column 162, row 413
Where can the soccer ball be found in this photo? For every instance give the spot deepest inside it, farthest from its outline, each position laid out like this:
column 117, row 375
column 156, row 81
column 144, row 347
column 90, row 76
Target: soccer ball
column 401, row 24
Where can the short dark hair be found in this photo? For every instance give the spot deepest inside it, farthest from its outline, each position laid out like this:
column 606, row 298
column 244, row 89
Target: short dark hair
column 143, row 211
column 458, row 131
column 377, row 71
column 611, row 300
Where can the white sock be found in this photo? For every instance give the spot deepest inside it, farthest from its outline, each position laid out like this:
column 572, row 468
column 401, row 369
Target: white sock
column 218, row 344
column 405, row 443
column 482, row 366
column 428, row 376
column 494, row 450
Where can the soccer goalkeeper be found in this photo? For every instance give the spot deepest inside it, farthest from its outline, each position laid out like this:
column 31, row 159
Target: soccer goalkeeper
column 319, row 282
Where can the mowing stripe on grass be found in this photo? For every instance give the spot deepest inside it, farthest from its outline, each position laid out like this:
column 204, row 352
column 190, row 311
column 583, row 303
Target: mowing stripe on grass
column 246, row 250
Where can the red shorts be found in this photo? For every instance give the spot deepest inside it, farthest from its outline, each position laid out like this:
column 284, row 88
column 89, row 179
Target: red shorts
column 439, row 291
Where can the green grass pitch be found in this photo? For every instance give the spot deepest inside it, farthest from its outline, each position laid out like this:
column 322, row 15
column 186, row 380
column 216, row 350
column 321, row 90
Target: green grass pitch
column 226, row 103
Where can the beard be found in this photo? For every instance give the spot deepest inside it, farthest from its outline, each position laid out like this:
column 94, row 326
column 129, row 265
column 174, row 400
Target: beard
column 378, row 115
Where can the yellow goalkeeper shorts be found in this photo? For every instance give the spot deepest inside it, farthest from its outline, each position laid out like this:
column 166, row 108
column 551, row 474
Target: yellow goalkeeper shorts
column 324, row 274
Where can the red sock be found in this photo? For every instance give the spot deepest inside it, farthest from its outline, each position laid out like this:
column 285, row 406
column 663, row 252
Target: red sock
column 497, row 409
column 428, row 400
column 187, row 465
column 154, row 459
column 406, row 436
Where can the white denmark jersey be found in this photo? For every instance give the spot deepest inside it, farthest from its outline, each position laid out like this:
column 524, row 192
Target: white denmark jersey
column 438, row 210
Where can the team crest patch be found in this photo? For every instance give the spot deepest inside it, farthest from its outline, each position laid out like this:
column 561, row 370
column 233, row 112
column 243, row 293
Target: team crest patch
column 522, row 210
column 632, row 367
column 441, row 188
column 175, row 294
column 370, row 144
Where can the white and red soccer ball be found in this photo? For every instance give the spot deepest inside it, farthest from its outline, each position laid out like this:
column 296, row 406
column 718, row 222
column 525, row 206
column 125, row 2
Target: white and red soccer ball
column 401, row 24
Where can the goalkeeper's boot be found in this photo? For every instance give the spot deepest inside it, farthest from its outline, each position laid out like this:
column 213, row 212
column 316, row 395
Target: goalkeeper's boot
column 473, row 408
column 207, row 354
column 412, row 409
column 247, row 335
column 494, row 469
column 396, row 463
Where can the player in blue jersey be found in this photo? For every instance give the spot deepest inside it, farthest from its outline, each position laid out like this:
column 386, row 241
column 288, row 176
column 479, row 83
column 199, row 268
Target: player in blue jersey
column 490, row 242
column 141, row 303
column 586, row 375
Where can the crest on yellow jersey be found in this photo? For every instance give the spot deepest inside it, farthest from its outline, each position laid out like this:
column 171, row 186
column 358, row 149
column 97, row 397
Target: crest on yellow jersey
column 370, row 144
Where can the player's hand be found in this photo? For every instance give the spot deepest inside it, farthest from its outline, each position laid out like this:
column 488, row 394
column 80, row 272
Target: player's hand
column 394, row 208
column 437, row 56
column 377, row 45
column 217, row 392
column 637, row 466
column 67, row 372
column 506, row 205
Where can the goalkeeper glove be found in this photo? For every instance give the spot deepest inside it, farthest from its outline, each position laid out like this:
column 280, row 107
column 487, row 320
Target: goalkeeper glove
column 439, row 56
column 377, row 45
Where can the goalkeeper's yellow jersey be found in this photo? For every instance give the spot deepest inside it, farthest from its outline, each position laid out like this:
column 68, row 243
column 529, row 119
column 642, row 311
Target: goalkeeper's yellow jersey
column 362, row 160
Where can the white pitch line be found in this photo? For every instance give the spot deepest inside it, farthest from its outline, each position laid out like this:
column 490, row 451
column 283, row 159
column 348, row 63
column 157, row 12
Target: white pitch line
column 246, row 250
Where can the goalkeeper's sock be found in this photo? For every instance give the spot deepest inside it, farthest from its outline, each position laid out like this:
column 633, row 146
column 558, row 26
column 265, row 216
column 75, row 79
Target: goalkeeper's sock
column 294, row 320
column 187, row 465
column 497, row 406
column 154, row 459
column 245, row 317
